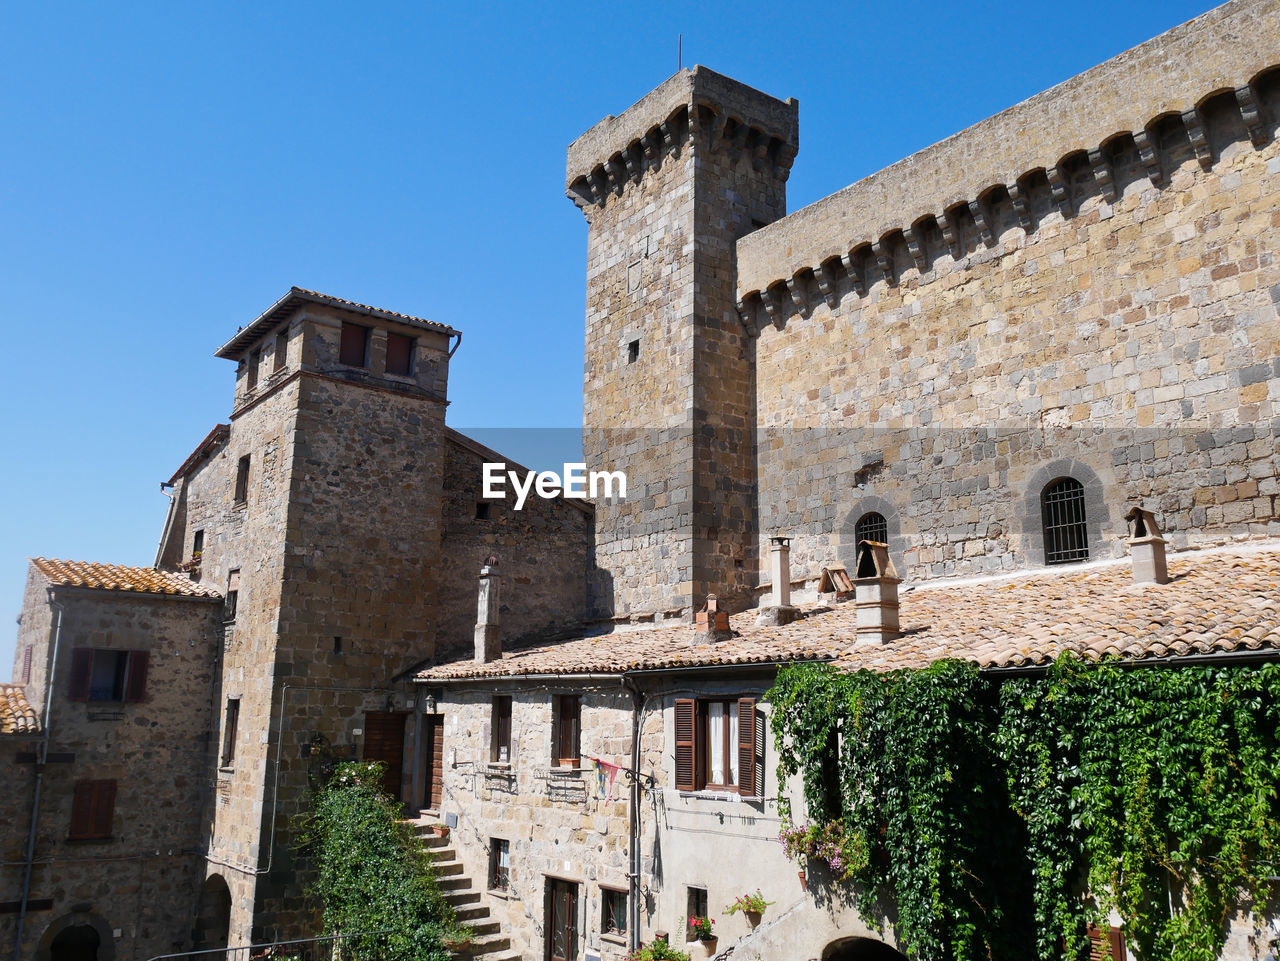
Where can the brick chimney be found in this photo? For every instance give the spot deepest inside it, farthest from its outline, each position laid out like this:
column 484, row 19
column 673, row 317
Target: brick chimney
column 779, row 609
column 488, row 630
column 875, row 584
column 711, row 623
column 1146, row 546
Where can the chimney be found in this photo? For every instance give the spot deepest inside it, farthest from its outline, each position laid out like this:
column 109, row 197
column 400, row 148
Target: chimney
column 875, row 584
column 779, row 610
column 1146, row 546
column 488, row 631
column 711, row 623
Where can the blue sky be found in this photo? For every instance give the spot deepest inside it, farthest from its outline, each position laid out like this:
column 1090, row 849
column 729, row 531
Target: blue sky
column 170, row 169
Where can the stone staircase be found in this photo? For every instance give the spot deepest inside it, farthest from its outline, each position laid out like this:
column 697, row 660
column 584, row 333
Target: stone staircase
column 468, row 901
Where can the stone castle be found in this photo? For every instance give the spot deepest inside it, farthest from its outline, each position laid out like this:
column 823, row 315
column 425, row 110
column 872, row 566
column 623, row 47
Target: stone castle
column 982, row 357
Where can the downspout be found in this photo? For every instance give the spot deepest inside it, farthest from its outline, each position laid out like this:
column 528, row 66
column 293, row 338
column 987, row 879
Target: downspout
column 42, row 754
column 633, row 819
column 168, row 521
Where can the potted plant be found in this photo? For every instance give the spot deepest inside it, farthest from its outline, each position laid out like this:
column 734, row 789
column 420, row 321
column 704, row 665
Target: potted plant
column 657, row 950
column 702, row 931
column 751, row 905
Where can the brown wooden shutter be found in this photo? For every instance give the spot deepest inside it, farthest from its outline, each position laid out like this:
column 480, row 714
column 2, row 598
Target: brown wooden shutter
column 746, row 746
column 26, row 665
column 104, row 808
column 684, row 745
column 136, row 685
column 1106, row 943
column 81, row 674
column 82, row 809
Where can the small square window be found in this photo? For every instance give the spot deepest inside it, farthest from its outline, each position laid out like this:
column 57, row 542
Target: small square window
column 282, row 351
column 400, row 355
column 106, row 679
column 242, row 480
column 354, row 349
column 499, row 864
column 613, row 912
column 482, row 510
column 633, row 351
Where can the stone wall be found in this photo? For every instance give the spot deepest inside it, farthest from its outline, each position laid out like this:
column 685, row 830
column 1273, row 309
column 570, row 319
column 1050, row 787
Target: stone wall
column 544, row 551
column 141, row 885
column 1127, row 335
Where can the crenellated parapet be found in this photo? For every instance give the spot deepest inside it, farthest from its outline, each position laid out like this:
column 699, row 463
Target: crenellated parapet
column 694, row 107
column 1201, row 84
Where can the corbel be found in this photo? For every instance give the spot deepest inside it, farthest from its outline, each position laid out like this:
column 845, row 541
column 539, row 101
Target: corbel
column 649, row 145
column 1058, row 185
column 852, row 268
column 1020, row 206
column 1150, row 157
column 761, row 151
column 613, row 171
column 978, row 211
column 828, row 283
column 799, row 295
column 915, row 247
column 595, row 181
column 1194, row 125
column 740, row 136
column 1102, row 173
column 884, row 260
column 668, row 136
column 633, row 169
column 947, row 224
column 1251, row 114
column 747, row 317
column 720, row 118
column 772, row 307
column 786, row 157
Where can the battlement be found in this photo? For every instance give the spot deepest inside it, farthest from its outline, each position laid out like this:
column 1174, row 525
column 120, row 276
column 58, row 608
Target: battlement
column 1223, row 51
column 618, row 149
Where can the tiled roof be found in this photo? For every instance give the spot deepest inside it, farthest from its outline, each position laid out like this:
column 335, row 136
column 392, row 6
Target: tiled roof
column 1220, row 601
column 16, row 715
column 211, row 440
column 298, row 296
column 118, row 577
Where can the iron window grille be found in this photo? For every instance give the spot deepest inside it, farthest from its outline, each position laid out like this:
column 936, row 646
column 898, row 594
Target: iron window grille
column 1066, row 537
column 872, row 527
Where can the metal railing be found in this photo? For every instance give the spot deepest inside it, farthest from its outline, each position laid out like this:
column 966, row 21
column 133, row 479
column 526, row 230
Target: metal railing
column 332, row 947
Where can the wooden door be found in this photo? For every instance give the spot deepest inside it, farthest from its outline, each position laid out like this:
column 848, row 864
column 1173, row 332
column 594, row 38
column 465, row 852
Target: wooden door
column 384, row 741
column 562, row 920
column 433, row 751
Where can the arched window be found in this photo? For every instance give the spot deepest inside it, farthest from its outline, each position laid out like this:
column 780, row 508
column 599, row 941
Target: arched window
column 1066, row 539
column 871, row 527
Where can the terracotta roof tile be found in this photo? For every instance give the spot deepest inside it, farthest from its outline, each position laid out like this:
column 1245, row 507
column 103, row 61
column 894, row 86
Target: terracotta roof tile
column 1219, row 601
column 16, row 715
column 118, row 577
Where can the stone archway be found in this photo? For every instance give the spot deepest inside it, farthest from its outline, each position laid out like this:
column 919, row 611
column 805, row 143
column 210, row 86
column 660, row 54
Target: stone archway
column 78, row 936
column 213, row 923
column 860, row 949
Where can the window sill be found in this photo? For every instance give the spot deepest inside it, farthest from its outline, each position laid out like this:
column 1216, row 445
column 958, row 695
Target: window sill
column 226, row 769
column 105, row 840
column 711, row 794
column 240, row 505
column 612, row 938
column 499, row 893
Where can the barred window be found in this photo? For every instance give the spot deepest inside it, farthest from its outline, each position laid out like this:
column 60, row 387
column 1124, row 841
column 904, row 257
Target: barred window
column 1066, row 538
column 871, row 527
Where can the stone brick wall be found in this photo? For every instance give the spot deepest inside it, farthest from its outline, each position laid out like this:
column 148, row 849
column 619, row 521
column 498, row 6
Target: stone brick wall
column 667, row 188
column 1128, row 339
column 544, row 551
column 142, row 884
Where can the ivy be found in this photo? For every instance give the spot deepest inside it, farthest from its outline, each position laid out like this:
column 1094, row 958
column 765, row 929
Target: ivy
column 998, row 819
column 370, row 874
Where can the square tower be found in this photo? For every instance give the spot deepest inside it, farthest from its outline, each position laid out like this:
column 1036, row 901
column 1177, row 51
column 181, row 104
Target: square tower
column 669, row 388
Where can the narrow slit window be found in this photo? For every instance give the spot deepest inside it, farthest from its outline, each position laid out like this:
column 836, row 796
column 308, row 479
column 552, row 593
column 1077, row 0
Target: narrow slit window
column 500, row 747
column 253, row 370
column 242, row 480
column 282, row 351
column 233, row 596
column 499, row 864
column 229, row 728
column 482, row 510
column 633, row 351
column 1066, row 535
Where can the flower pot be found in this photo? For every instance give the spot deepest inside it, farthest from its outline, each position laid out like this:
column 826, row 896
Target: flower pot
column 753, row 917
column 804, row 886
column 709, row 946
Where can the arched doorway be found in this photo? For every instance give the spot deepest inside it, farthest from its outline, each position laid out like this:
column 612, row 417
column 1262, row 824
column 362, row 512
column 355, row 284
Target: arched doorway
column 860, row 949
column 77, row 943
column 214, row 920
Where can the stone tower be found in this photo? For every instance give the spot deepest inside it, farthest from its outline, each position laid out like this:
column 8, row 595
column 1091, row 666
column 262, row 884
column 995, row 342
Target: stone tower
column 669, row 389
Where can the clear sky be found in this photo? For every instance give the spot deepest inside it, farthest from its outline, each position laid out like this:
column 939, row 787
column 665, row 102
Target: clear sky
column 168, row 170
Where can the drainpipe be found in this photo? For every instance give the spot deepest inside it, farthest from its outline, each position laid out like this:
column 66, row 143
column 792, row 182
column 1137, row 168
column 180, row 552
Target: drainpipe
column 633, row 818
column 42, row 754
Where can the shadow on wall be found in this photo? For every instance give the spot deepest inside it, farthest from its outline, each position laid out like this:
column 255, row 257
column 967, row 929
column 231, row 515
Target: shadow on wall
column 860, row 949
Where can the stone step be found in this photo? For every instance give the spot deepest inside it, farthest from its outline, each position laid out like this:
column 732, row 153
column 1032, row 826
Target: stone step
column 489, row 944
column 462, row 896
column 472, row 913
column 485, row 928
column 456, row 883
column 448, row 868
column 442, row 854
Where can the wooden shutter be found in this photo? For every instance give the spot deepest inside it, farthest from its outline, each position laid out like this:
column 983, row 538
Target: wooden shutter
column 570, row 719
column 81, row 674
column 1106, row 943
column 92, row 809
column 136, row 683
column 746, row 746
column 26, row 665
column 684, row 745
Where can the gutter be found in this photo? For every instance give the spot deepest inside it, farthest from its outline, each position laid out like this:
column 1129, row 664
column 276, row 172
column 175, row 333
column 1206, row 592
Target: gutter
column 42, row 753
column 637, row 672
column 1221, row 658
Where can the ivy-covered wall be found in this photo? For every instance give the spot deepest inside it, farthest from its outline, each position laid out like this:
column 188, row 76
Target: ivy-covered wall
column 997, row 818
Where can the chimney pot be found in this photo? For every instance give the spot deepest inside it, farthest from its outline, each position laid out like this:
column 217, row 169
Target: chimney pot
column 875, row 584
column 1146, row 547
column 779, row 609
column 488, row 630
column 711, row 623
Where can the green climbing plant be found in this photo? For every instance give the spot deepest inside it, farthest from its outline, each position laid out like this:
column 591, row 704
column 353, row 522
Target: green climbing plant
column 369, row 874
column 996, row 819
